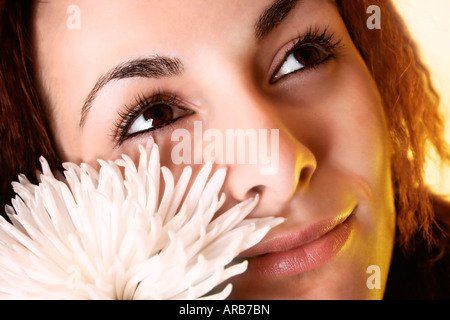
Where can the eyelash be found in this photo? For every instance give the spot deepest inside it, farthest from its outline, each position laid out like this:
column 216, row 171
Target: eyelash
column 316, row 36
column 142, row 103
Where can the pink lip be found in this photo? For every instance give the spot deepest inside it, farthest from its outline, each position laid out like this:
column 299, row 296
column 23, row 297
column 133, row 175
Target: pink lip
column 299, row 251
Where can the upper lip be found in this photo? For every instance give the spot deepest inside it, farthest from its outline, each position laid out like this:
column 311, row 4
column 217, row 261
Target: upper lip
column 295, row 237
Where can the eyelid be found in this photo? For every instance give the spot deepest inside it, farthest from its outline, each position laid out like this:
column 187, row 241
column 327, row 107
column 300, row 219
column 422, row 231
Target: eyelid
column 281, row 57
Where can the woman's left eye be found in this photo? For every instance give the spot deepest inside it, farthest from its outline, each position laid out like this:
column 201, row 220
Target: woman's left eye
column 306, row 56
column 155, row 117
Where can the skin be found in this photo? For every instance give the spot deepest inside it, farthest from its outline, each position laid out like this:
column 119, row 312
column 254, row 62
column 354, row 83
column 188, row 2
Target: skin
column 333, row 141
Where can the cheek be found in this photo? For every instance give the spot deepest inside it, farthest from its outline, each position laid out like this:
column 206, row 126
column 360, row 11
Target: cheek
column 358, row 136
column 339, row 117
column 355, row 143
column 341, row 120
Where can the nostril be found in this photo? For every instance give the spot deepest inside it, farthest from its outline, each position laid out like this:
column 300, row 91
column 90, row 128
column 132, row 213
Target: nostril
column 305, row 175
column 256, row 190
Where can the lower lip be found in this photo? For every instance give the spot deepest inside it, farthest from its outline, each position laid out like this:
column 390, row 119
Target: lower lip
column 301, row 259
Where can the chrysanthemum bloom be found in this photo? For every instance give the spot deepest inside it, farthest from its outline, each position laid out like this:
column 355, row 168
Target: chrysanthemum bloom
column 108, row 235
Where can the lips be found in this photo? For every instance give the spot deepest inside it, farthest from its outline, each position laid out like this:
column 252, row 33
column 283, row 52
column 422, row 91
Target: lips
column 299, row 250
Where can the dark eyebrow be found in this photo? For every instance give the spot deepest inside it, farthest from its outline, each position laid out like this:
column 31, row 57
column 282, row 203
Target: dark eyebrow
column 153, row 67
column 273, row 16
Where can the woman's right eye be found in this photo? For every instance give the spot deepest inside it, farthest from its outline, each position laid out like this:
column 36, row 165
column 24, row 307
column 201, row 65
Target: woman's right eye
column 149, row 115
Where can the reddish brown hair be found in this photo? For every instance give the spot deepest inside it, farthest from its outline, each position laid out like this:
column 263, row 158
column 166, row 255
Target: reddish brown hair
column 23, row 124
column 412, row 110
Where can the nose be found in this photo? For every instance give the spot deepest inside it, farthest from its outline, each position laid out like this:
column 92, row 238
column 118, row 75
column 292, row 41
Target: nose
column 284, row 165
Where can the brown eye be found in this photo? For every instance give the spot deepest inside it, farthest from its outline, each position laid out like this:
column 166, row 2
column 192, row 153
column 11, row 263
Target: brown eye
column 309, row 56
column 158, row 115
column 306, row 56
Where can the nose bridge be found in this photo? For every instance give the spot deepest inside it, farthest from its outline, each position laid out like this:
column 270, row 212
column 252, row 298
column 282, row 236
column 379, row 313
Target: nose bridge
column 251, row 117
column 254, row 110
column 282, row 163
column 241, row 105
column 257, row 117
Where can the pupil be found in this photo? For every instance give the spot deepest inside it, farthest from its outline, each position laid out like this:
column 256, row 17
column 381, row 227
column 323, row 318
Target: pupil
column 159, row 114
column 307, row 56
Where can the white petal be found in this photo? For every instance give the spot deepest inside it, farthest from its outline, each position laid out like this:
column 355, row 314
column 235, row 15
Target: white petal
column 102, row 234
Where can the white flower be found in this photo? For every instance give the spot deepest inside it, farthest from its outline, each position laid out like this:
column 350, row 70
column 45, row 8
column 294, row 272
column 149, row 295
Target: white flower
column 107, row 235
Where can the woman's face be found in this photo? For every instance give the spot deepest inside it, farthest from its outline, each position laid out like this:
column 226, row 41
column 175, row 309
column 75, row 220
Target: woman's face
column 198, row 77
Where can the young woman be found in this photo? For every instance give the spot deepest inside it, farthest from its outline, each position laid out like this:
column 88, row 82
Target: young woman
column 353, row 108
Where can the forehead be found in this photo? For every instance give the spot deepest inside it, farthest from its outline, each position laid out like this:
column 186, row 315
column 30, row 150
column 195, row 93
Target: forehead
column 159, row 18
column 82, row 27
column 109, row 32
column 163, row 22
column 85, row 38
